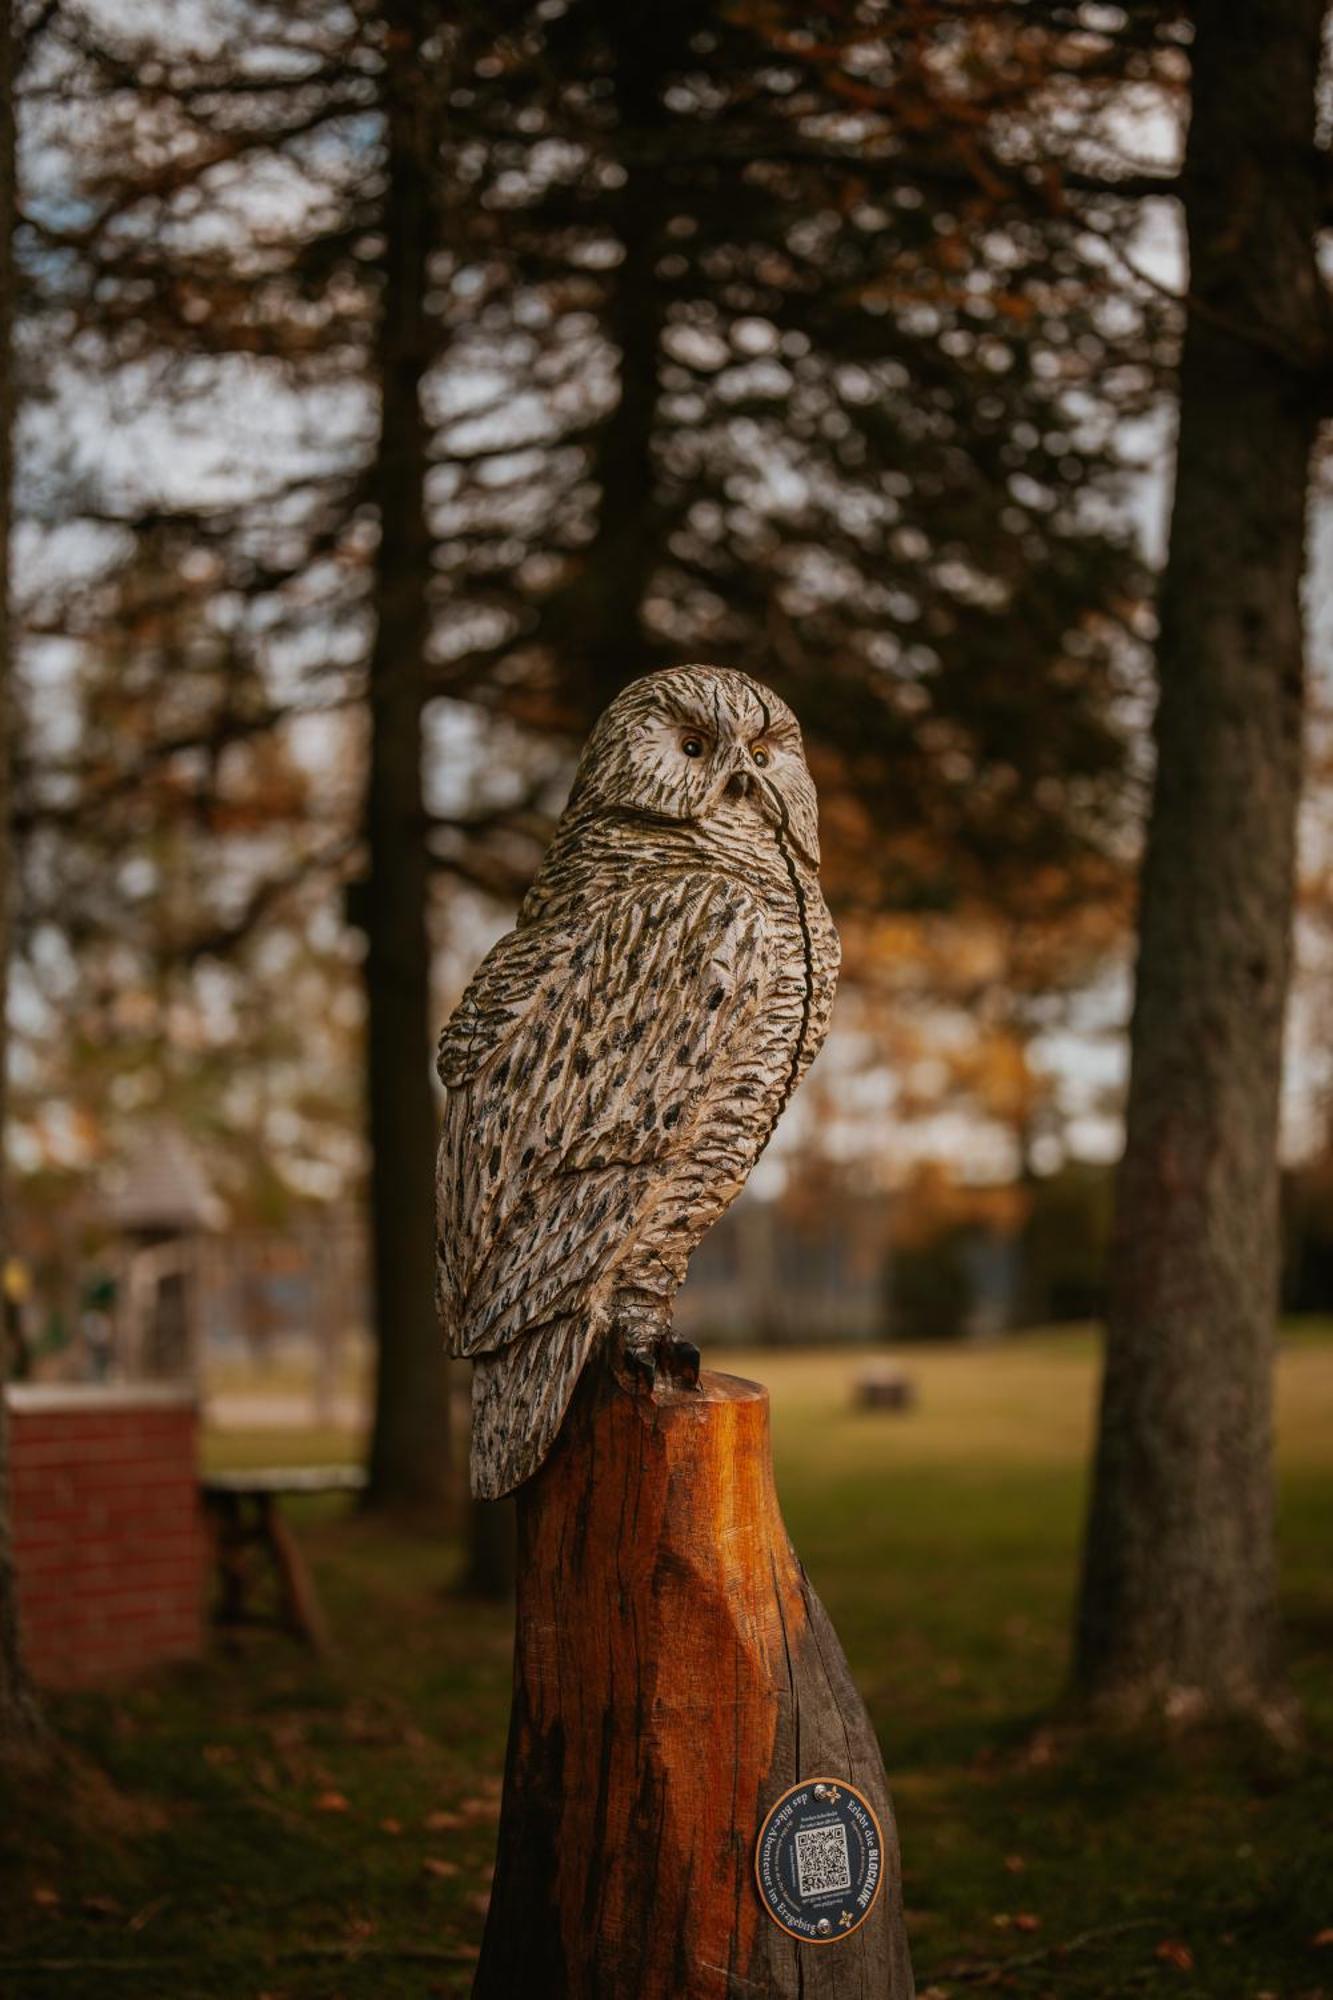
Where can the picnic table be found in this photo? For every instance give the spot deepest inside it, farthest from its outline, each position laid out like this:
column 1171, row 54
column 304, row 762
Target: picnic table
column 254, row 1547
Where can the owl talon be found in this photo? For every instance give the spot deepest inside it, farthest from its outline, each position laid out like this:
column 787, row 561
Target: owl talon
column 640, row 1365
column 680, row 1360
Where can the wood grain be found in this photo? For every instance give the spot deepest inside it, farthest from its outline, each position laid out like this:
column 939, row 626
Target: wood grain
column 674, row 1675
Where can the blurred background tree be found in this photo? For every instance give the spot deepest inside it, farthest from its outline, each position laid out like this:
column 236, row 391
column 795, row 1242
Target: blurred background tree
column 1178, row 1612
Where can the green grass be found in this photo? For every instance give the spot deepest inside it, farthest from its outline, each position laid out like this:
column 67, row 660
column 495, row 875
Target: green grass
column 259, row 1825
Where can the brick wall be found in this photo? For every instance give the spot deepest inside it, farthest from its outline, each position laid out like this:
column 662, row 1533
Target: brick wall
column 109, row 1547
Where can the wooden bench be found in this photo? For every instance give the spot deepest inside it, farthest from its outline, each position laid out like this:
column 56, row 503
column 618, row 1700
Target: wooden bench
column 252, row 1543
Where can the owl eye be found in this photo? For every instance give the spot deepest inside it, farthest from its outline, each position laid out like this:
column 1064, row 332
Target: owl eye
column 762, row 756
column 692, row 744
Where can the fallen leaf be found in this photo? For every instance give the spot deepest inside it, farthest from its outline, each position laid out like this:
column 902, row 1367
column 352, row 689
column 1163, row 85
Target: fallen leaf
column 1015, row 1863
column 1322, row 1938
column 480, row 1808
column 391, row 1826
column 443, row 1822
column 331, row 1802
column 1172, row 1952
column 46, row 1899
column 479, row 1901
column 1041, row 1750
column 147, row 1913
column 1025, row 1921
column 433, row 1866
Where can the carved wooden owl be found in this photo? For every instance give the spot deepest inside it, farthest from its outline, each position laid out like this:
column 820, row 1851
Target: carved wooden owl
column 621, row 1058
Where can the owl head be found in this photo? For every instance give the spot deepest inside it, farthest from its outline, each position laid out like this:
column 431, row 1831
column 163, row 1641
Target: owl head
column 694, row 744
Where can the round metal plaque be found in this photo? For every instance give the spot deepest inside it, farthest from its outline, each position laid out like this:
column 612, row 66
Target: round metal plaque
column 819, row 1861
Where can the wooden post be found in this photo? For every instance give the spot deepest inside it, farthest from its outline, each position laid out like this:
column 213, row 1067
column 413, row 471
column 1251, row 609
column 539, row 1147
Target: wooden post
column 674, row 1676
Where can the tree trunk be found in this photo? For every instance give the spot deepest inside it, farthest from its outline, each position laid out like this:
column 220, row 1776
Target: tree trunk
column 1177, row 1611
column 598, row 625
column 20, row 1728
column 409, row 1455
column 674, row 1677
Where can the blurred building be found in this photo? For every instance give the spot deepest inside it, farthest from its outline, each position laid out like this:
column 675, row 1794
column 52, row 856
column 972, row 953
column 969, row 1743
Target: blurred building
column 162, row 1208
column 782, row 1276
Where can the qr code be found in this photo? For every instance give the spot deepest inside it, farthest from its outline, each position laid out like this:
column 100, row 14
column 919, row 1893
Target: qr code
column 822, row 1863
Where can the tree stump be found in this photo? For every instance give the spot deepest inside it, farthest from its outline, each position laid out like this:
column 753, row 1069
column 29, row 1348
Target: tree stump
column 674, row 1677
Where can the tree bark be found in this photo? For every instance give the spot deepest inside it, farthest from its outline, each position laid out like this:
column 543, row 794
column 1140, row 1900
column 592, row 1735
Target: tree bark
column 1177, row 1609
column 674, row 1676
column 409, row 1456
column 20, row 1726
column 599, row 623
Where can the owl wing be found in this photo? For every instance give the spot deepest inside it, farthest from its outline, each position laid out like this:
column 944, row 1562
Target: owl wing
column 577, row 1066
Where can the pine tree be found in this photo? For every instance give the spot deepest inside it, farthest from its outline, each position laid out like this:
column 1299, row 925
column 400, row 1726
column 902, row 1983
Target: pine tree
column 676, row 347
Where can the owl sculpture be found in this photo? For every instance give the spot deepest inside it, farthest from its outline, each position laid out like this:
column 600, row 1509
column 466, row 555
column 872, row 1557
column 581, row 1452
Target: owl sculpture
column 621, row 1058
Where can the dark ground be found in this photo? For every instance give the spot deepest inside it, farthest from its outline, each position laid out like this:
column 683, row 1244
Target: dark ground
column 263, row 1828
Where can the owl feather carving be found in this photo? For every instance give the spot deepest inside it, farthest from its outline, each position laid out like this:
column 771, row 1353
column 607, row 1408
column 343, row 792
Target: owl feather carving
column 620, row 1059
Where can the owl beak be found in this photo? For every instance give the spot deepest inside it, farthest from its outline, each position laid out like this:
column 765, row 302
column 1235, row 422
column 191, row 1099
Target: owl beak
column 740, row 785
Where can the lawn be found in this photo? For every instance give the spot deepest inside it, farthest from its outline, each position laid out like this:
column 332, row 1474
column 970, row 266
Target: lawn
column 259, row 1825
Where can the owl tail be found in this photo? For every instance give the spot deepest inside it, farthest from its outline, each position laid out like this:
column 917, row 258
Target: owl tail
column 519, row 1397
